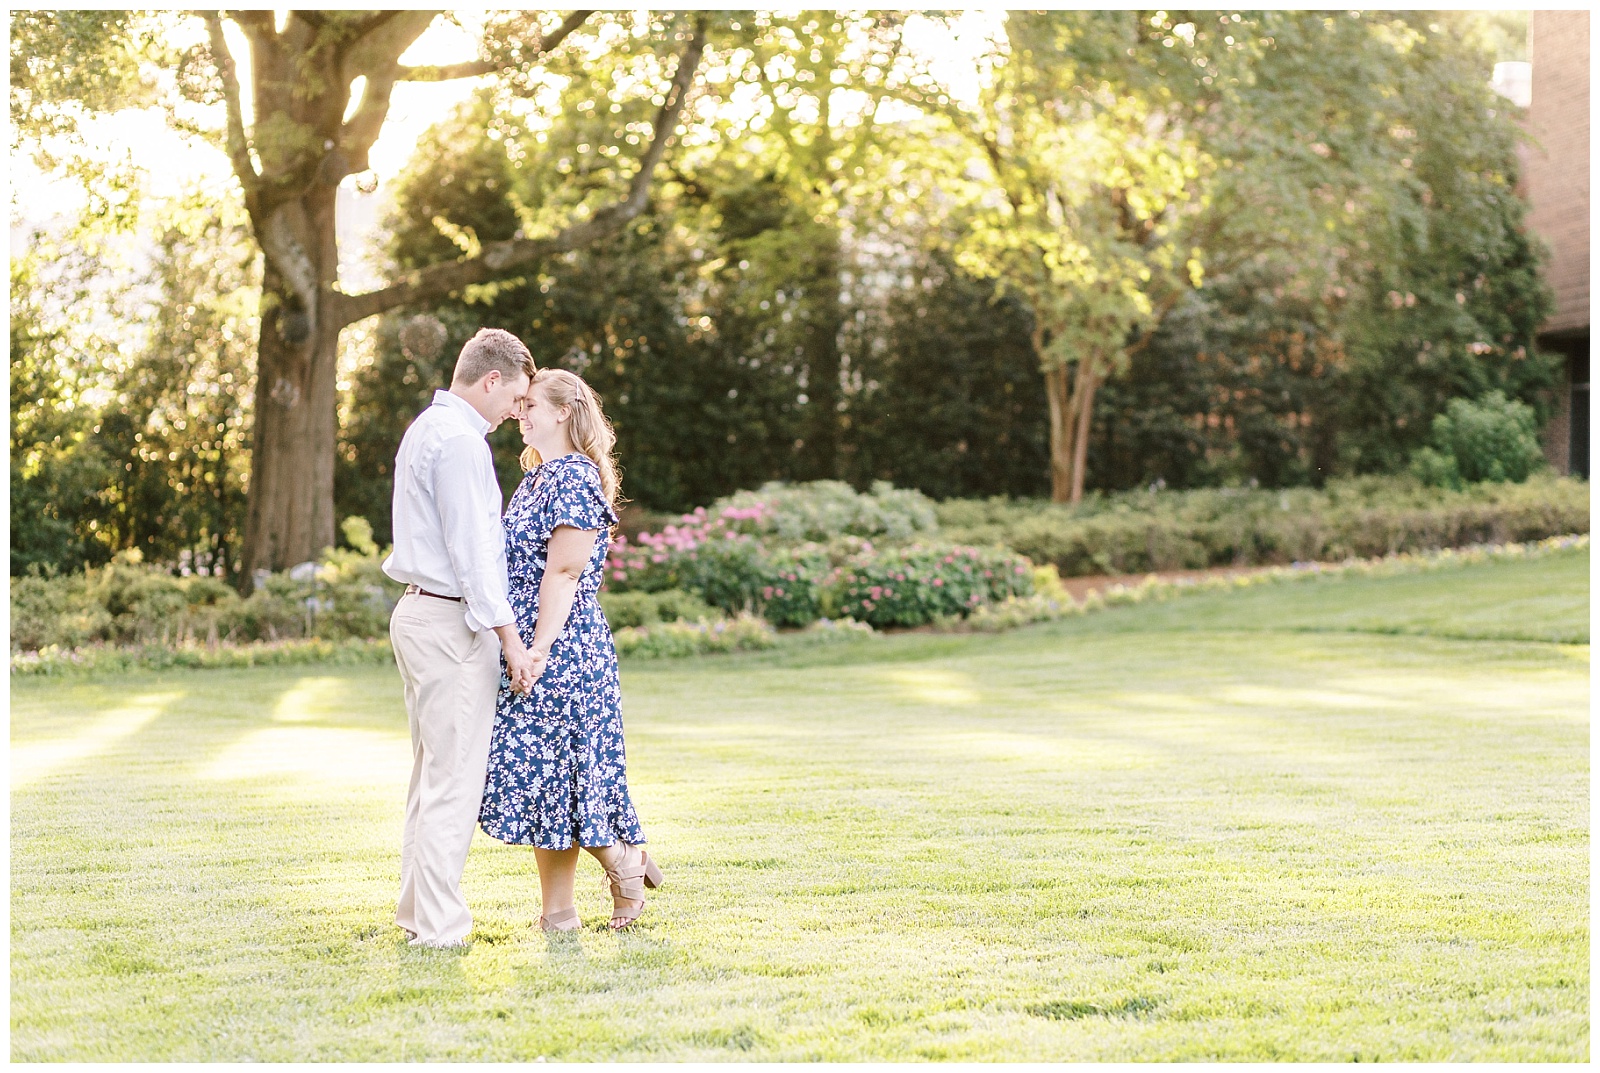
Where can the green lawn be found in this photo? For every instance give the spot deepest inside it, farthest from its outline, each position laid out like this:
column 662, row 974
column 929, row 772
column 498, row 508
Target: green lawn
column 1325, row 820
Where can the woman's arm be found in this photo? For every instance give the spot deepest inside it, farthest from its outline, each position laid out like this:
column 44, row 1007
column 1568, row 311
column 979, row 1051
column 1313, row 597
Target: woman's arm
column 565, row 560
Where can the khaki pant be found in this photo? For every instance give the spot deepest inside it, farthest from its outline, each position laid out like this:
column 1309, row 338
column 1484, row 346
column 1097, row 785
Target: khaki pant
column 451, row 675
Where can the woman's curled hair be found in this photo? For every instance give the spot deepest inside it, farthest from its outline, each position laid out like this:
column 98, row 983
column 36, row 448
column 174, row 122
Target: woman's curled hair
column 591, row 432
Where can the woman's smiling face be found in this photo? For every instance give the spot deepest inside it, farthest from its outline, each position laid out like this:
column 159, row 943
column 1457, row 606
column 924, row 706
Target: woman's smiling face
column 540, row 420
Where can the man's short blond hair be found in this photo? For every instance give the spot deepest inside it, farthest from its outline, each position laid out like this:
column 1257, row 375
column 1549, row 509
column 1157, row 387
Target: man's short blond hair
column 491, row 350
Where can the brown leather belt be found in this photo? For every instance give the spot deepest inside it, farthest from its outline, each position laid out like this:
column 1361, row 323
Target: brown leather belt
column 420, row 591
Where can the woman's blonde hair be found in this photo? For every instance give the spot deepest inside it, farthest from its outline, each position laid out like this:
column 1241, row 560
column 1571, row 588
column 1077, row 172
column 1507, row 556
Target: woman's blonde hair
column 590, row 431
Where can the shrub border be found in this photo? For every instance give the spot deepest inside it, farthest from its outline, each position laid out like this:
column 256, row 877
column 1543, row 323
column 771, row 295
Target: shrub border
column 704, row 638
column 1026, row 610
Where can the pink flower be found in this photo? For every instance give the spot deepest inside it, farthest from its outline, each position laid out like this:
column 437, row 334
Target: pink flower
column 658, row 558
column 619, row 574
column 938, row 582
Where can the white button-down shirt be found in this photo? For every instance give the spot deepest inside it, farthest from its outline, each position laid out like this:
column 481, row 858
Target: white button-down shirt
column 447, row 532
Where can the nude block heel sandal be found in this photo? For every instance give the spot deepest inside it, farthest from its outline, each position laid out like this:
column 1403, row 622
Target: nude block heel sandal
column 628, row 883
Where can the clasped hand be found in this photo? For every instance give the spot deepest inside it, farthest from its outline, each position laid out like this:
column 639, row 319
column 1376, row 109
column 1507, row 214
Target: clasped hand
column 524, row 666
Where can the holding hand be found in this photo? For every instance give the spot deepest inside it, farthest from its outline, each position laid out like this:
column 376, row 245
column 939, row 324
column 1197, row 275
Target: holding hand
column 538, row 659
column 521, row 667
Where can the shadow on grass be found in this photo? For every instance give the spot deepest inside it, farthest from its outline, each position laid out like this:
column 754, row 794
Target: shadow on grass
column 312, row 729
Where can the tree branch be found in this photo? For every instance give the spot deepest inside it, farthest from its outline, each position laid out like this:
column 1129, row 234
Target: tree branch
column 255, row 22
column 449, row 71
column 497, row 258
column 666, row 120
column 374, row 55
column 478, row 68
column 370, row 23
column 377, row 51
column 238, row 145
column 358, row 135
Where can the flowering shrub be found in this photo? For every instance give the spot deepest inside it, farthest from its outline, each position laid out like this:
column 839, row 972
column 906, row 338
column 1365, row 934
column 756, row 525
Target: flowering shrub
column 742, row 555
column 794, row 591
column 915, row 585
column 651, row 561
column 728, row 571
column 822, row 510
column 727, row 567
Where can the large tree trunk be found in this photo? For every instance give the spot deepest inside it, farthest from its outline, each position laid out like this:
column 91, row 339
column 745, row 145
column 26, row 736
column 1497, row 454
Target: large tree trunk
column 1058, row 391
column 1070, row 391
column 1088, row 379
column 290, row 517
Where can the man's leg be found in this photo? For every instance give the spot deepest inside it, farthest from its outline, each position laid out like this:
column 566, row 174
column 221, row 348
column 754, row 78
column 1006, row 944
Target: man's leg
column 453, row 669
column 405, row 913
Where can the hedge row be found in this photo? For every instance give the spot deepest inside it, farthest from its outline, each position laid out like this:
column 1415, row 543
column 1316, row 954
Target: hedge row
column 1050, row 601
column 128, row 603
column 662, row 640
column 1359, row 518
column 55, row 661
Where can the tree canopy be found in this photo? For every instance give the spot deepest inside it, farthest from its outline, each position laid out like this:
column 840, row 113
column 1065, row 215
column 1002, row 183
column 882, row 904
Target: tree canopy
column 1134, row 247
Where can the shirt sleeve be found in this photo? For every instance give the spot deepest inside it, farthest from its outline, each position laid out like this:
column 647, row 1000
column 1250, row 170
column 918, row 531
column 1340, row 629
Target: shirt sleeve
column 578, row 500
column 468, row 499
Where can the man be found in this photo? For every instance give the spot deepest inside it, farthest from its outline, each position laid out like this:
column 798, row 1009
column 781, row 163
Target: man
column 453, row 622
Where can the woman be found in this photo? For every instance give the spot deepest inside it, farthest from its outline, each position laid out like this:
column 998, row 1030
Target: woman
column 557, row 777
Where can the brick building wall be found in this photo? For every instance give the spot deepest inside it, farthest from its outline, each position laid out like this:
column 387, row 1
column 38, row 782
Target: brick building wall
column 1556, row 182
column 1558, row 165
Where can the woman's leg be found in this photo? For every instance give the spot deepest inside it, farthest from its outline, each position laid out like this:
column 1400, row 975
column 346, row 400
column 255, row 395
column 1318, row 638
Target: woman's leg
column 558, row 870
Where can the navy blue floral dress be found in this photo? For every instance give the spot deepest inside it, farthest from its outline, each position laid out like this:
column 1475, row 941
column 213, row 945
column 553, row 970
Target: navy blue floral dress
column 557, row 770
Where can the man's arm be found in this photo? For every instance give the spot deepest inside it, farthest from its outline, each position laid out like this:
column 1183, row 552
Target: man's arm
column 475, row 542
column 523, row 669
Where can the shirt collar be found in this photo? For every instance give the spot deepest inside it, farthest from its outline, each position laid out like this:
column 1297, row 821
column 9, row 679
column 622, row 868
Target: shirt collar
column 461, row 406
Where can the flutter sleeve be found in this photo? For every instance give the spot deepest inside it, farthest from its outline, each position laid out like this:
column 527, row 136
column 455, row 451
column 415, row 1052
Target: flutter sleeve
column 578, row 500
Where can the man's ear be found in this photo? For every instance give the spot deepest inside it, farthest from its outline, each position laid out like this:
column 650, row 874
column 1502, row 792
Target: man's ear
column 491, row 380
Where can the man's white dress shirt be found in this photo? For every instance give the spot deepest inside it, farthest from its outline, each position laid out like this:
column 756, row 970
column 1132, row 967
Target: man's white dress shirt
column 447, row 532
